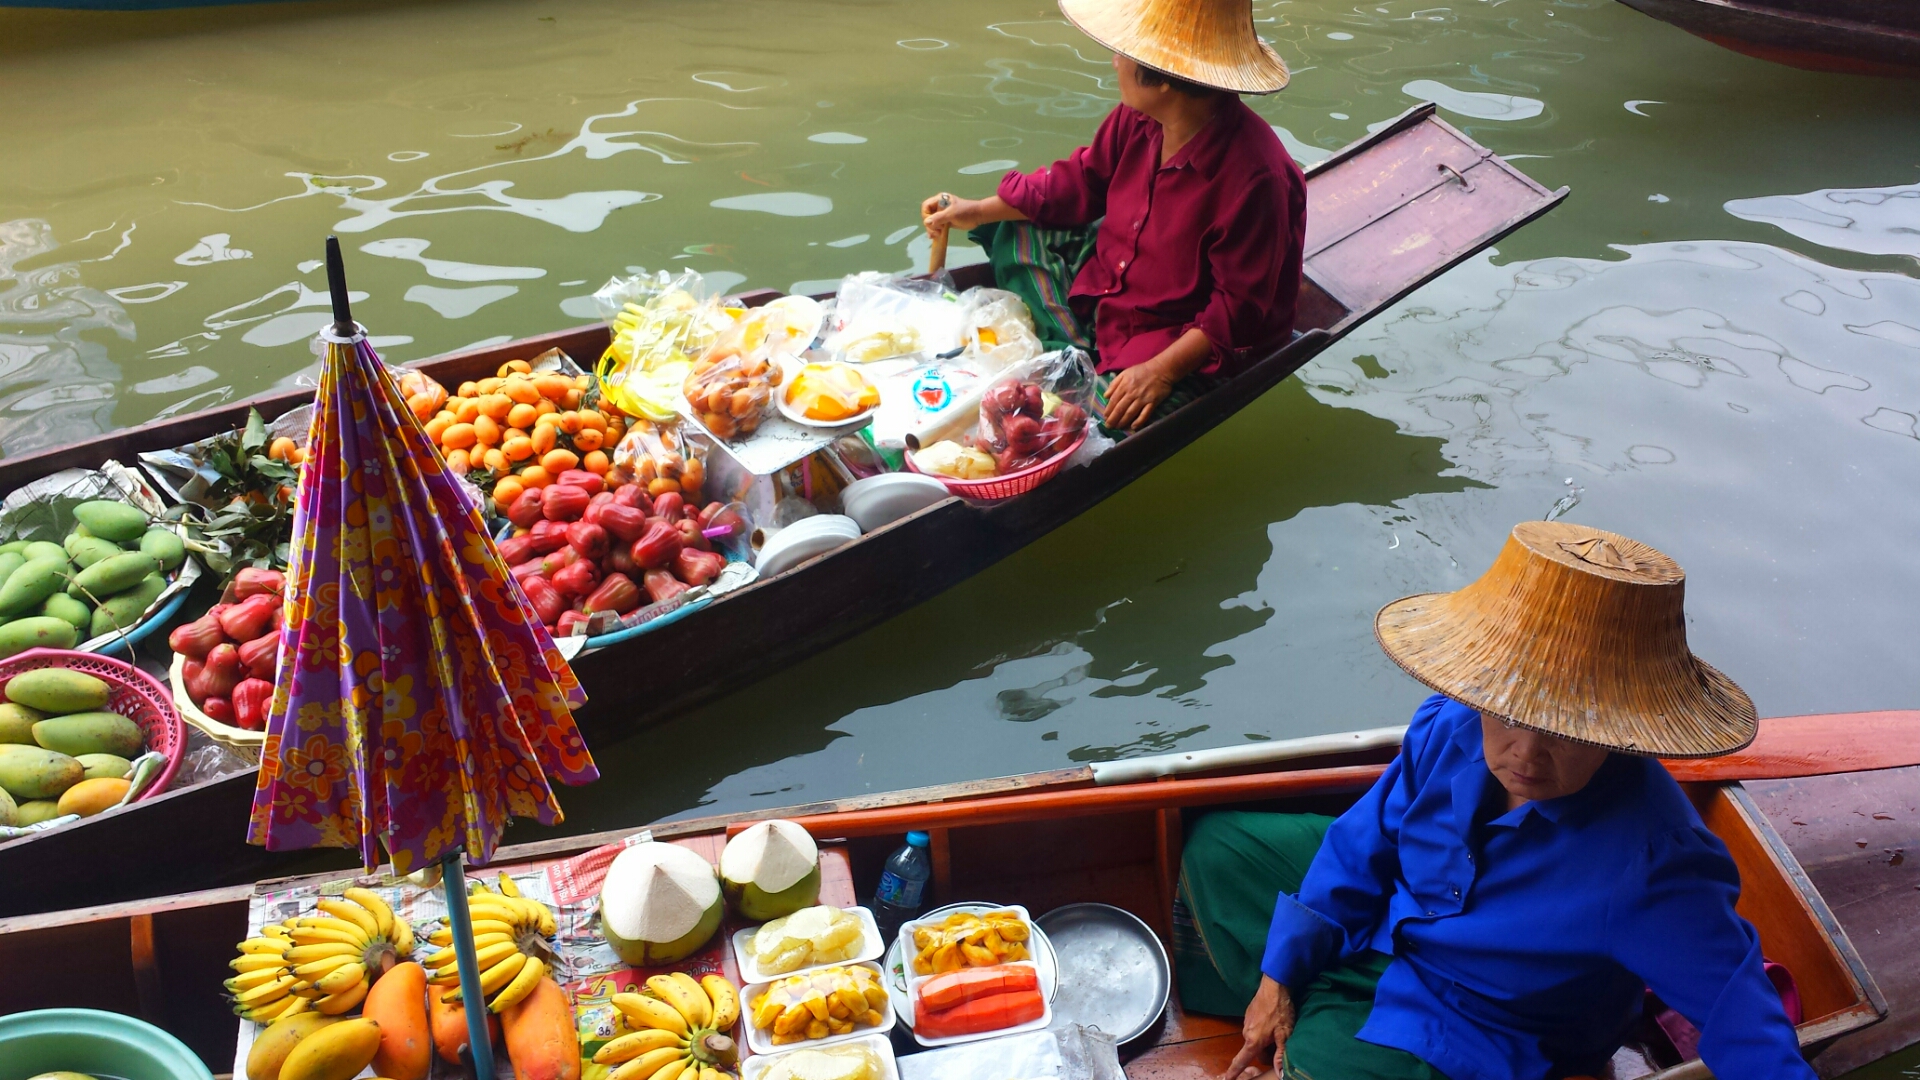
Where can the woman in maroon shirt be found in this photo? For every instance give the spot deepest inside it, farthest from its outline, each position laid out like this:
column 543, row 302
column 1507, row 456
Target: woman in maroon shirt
column 1200, row 211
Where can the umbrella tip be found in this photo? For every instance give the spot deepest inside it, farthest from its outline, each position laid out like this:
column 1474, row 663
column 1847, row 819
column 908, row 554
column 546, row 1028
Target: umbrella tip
column 337, row 284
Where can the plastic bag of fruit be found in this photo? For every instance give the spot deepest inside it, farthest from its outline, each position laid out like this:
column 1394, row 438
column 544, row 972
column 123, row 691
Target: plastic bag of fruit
column 999, row 328
column 1036, row 410
column 660, row 322
column 660, row 458
column 878, row 316
column 730, row 387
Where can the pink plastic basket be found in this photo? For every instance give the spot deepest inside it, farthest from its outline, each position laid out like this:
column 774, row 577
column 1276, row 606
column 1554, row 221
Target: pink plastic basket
column 1018, row 482
column 132, row 693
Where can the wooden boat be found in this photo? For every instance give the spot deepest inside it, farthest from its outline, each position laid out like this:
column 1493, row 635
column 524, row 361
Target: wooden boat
column 1385, row 216
column 1859, row 37
column 1046, row 839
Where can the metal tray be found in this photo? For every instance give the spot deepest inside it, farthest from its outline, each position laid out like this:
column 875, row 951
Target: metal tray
column 1114, row 973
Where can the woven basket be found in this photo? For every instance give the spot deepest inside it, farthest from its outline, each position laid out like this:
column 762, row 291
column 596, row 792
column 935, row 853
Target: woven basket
column 1018, row 482
column 132, row 693
column 246, row 743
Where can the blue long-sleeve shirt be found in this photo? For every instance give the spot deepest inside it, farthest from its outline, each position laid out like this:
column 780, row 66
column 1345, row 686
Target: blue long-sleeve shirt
column 1522, row 939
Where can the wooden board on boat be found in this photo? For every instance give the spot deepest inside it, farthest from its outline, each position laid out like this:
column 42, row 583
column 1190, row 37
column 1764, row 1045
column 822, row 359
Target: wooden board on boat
column 1385, row 216
column 1859, row 37
column 1041, row 840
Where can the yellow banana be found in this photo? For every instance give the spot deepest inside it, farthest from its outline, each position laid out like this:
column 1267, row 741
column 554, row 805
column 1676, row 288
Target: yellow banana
column 307, row 954
column 441, row 936
column 685, row 995
column 328, row 935
column 708, row 1072
column 315, row 970
column 265, row 992
column 250, row 979
column 632, row 1045
column 726, row 1001
column 403, row 939
column 335, row 1004
column 686, row 1067
column 486, row 958
column 261, row 946
column 522, row 985
column 274, row 930
column 651, row 1064
column 267, row 1014
column 246, row 962
column 339, row 979
column 507, row 887
column 645, row 1012
column 353, row 913
column 502, row 973
column 443, row 957
column 372, row 901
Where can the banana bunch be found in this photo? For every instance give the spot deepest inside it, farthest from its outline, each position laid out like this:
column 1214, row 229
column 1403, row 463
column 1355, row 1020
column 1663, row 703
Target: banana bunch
column 679, row 1030
column 323, row 962
column 510, row 942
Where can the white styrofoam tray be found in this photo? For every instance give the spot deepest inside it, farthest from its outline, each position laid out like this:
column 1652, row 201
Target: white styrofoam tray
column 872, row 945
column 1038, row 949
column 755, row 1067
column 761, row 1042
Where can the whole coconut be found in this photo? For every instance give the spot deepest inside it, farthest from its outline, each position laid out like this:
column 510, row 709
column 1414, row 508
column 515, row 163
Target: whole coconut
column 659, row 903
column 771, row 870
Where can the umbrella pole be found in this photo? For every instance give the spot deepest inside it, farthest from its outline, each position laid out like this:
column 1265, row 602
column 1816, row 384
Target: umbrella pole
column 454, row 878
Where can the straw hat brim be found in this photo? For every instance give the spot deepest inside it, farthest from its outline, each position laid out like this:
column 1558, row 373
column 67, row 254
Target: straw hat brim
column 1701, row 714
column 1239, row 63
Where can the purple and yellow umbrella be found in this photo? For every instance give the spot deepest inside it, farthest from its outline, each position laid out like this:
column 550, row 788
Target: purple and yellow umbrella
column 419, row 702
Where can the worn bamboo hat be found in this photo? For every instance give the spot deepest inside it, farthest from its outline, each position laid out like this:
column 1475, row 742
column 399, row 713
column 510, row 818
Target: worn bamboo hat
column 1576, row 632
column 1210, row 42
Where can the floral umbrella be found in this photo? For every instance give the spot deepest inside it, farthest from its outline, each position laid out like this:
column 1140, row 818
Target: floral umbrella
column 419, row 701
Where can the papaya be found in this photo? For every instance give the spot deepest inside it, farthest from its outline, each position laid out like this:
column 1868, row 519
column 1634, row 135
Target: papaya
column 28, row 587
column 104, row 766
column 448, row 1021
column 107, row 577
column 67, row 609
column 36, row 632
column 57, row 691
column 30, row 772
column 90, row 797
column 124, row 612
column 16, row 724
column 109, row 520
column 542, row 1040
column 87, row 550
column 10, row 562
column 35, row 811
column 271, row 1047
column 335, row 1052
column 9, row 811
column 398, row 1000
column 166, row 545
column 90, row 733
column 44, row 549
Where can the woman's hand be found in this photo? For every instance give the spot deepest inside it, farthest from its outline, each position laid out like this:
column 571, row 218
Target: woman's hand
column 1136, row 391
column 964, row 213
column 1269, row 1021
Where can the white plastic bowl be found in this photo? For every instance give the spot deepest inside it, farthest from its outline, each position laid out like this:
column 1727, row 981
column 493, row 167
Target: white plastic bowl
column 881, row 500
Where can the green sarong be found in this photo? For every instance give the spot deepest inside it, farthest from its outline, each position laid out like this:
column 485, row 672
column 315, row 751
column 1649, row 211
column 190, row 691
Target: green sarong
column 1233, row 868
column 1039, row 265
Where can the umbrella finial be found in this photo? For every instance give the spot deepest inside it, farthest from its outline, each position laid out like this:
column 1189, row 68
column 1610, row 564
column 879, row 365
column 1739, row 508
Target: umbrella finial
column 337, row 284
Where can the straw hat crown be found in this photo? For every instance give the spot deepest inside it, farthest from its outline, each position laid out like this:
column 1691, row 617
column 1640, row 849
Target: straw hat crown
column 1576, row 632
column 1211, row 42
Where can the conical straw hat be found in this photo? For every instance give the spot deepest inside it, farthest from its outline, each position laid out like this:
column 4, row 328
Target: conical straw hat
column 1210, row 42
column 1576, row 632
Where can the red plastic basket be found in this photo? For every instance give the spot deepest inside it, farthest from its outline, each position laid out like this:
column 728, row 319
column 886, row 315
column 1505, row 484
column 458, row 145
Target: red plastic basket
column 1018, row 482
column 132, row 693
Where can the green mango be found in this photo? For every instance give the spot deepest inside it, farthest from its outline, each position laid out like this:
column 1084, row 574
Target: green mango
column 36, row 632
column 90, row 733
column 123, row 612
column 30, row 772
column 87, row 550
column 109, row 520
column 28, row 587
column 9, row 562
column 16, row 723
column 104, row 766
column 58, row 691
column 14, row 547
column 165, row 545
column 44, row 549
column 62, row 606
column 35, row 811
column 8, row 811
column 107, row 577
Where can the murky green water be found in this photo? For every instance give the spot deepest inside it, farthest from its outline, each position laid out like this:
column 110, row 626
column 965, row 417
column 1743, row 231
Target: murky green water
column 1718, row 351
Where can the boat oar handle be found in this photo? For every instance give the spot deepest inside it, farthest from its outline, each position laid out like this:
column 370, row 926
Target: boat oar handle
column 937, row 257
column 337, row 285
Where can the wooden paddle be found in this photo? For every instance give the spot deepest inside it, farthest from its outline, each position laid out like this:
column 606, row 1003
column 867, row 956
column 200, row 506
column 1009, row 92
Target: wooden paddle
column 937, row 257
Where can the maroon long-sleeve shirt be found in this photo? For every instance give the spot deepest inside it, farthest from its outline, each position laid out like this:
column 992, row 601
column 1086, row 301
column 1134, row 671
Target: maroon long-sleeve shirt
column 1211, row 239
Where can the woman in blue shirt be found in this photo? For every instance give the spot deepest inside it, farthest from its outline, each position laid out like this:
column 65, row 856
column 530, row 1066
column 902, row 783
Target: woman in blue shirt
column 1497, row 904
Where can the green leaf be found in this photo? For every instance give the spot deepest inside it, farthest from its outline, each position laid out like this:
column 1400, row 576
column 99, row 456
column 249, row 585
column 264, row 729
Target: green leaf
column 256, row 433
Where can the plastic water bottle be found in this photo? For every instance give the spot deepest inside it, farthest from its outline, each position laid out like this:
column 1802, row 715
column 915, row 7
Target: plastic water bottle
column 902, row 884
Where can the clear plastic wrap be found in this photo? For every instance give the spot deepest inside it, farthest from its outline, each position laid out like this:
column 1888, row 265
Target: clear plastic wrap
column 999, row 328
column 661, row 458
column 830, row 392
column 730, row 387
column 879, row 316
column 1036, row 410
column 660, row 322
